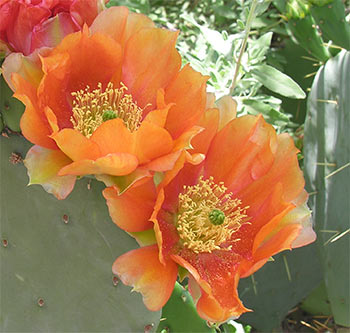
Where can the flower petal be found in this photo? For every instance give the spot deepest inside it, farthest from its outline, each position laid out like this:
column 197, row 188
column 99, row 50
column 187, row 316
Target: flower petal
column 151, row 141
column 150, row 62
column 119, row 23
column 76, row 145
column 228, row 110
column 141, row 269
column 43, row 165
column 188, row 92
column 33, row 123
column 118, row 164
column 71, row 67
column 132, row 210
column 51, row 32
column 113, row 137
column 217, row 275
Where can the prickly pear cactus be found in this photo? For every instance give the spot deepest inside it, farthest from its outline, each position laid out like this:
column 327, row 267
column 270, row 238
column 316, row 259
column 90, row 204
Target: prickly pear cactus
column 327, row 171
column 56, row 258
column 279, row 286
column 11, row 109
column 330, row 18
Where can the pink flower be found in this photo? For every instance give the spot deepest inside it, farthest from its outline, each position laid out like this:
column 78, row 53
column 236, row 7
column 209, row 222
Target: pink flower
column 26, row 25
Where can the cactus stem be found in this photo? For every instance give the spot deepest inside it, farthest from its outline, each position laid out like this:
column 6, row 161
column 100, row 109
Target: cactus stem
column 338, row 170
column 5, row 242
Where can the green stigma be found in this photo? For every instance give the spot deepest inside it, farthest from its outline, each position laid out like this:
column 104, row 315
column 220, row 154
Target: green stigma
column 217, row 217
column 108, row 115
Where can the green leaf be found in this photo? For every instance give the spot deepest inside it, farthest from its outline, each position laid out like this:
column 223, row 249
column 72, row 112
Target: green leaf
column 62, row 253
column 180, row 314
column 276, row 81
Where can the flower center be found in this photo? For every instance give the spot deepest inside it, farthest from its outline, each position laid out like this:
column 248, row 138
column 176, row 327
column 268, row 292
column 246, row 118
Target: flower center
column 208, row 216
column 92, row 108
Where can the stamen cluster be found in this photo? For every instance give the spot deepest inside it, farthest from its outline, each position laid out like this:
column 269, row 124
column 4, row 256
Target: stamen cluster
column 195, row 225
column 92, row 108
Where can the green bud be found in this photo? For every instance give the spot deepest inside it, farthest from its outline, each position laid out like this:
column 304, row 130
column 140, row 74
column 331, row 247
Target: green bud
column 108, row 115
column 216, row 217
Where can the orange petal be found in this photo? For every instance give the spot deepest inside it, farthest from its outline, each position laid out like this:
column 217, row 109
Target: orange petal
column 119, row 164
column 71, row 67
column 113, row 137
column 151, row 141
column 164, row 163
column 33, row 123
column 120, row 24
column 132, row 210
column 284, row 170
column 228, row 110
column 218, row 278
column 188, row 92
column 28, row 67
column 158, row 116
column 209, row 122
column 43, row 165
column 150, row 63
column 76, row 145
column 141, row 269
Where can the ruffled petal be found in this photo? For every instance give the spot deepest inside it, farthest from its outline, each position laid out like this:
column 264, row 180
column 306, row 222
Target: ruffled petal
column 150, row 62
column 72, row 68
column 120, row 24
column 228, row 110
column 188, row 92
column 43, row 166
column 241, row 152
column 113, row 137
column 141, row 269
column 132, row 210
column 34, row 124
column 151, row 141
column 51, row 32
column 76, row 145
column 217, row 275
column 118, row 164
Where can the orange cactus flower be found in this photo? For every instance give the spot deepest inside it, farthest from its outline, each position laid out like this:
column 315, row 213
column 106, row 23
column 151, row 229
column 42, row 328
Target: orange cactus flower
column 26, row 25
column 111, row 101
column 219, row 221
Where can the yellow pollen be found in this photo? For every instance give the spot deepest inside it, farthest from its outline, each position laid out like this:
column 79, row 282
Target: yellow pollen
column 90, row 106
column 196, row 203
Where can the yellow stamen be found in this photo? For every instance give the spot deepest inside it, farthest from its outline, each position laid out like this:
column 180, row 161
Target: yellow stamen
column 89, row 108
column 197, row 204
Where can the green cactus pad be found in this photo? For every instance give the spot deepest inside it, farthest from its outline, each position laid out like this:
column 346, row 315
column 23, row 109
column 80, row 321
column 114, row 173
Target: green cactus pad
column 11, row 108
column 279, row 286
column 56, row 258
column 327, row 171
